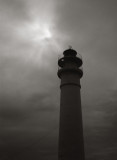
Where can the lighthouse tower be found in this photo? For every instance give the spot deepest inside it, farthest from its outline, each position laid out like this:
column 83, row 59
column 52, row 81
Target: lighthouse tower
column 71, row 145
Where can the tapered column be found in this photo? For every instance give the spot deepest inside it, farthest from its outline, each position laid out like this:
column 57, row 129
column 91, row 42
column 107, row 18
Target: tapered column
column 71, row 145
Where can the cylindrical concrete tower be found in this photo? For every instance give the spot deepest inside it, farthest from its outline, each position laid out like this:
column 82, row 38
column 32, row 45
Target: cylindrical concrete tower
column 71, row 145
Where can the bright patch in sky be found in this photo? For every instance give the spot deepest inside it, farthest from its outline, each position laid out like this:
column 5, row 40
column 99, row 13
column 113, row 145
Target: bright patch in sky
column 40, row 37
column 35, row 31
column 39, row 31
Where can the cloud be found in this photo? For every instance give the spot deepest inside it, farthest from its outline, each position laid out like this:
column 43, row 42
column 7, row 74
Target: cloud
column 14, row 10
column 29, row 103
column 28, row 126
column 100, row 129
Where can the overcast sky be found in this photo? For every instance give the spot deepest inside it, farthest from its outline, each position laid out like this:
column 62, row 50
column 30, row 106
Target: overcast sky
column 33, row 33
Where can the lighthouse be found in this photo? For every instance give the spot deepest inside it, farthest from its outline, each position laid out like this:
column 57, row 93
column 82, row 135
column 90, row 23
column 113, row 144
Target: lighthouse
column 71, row 144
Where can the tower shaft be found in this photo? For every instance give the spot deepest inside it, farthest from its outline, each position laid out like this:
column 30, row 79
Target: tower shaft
column 71, row 145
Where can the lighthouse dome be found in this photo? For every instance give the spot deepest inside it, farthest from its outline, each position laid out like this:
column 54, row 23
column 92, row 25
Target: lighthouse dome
column 70, row 52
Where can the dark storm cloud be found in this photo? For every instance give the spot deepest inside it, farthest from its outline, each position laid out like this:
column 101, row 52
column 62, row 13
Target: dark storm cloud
column 100, row 129
column 10, row 109
column 28, row 112
column 92, row 27
column 20, row 96
column 28, row 127
column 29, row 88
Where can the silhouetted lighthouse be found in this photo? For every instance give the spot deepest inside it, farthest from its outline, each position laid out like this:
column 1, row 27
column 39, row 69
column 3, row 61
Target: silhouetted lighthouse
column 71, row 145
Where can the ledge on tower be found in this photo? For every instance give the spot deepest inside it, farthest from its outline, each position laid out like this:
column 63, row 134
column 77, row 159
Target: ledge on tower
column 70, row 55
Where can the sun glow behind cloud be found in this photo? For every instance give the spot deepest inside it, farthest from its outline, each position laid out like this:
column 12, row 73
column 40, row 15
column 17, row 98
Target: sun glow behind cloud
column 39, row 33
column 36, row 31
column 34, row 38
